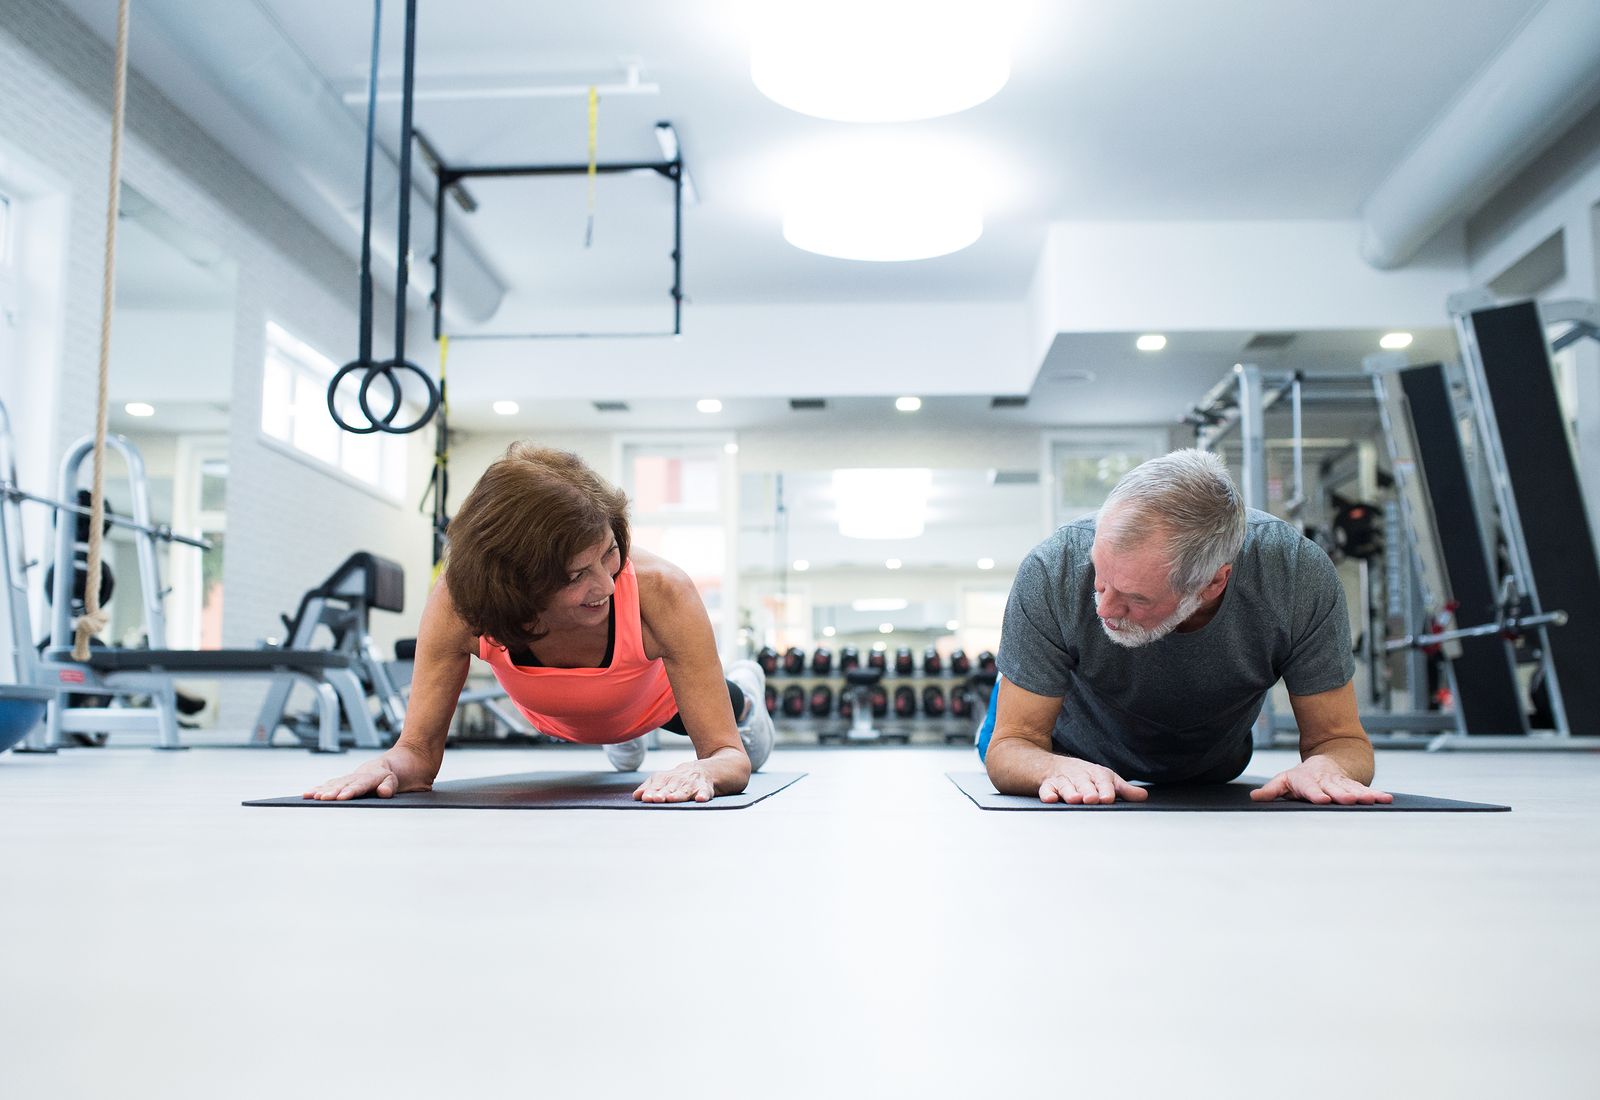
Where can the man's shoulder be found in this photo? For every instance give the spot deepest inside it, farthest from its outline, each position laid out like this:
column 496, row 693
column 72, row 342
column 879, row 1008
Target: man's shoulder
column 1066, row 548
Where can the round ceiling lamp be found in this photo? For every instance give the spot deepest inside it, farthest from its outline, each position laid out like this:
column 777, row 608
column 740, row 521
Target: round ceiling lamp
column 882, row 208
column 880, row 60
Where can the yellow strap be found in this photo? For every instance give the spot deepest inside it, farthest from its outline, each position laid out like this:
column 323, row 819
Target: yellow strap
column 444, row 357
column 594, row 133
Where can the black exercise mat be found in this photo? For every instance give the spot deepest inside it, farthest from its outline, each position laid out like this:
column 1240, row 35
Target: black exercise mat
column 1212, row 797
column 550, row 791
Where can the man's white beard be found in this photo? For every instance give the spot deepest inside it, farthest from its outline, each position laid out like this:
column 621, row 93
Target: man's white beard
column 1132, row 637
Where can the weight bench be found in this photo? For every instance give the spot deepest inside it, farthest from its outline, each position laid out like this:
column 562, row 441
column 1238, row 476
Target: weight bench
column 330, row 675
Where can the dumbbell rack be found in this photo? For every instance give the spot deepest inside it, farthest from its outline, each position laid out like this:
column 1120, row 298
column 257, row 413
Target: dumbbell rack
column 893, row 728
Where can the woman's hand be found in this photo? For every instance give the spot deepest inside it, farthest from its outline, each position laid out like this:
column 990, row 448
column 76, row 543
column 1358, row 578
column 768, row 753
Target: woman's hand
column 684, row 783
column 396, row 771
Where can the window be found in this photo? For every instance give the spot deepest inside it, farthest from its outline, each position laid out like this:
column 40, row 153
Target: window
column 294, row 411
column 1082, row 465
column 5, row 230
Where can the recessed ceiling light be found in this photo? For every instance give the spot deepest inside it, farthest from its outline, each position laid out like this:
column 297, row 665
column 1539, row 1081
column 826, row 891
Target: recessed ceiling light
column 139, row 408
column 985, row 563
column 730, row 448
column 892, row 563
column 708, row 405
column 828, row 632
column 507, row 408
column 882, row 204
column 1394, row 341
column 908, row 404
column 953, row 624
column 1151, row 341
column 885, row 628
column 877, row 603
column 878, row 647
column 881, row 61
column 801, row 565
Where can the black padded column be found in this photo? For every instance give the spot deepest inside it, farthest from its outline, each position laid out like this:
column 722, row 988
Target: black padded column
column 1544, row 479
column 1485, row 673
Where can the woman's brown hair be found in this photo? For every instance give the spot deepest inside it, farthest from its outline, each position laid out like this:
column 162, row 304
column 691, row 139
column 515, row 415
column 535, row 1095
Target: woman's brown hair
column 515, row 535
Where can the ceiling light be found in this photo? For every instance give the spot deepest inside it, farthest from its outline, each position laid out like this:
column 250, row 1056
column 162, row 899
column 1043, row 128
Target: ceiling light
column 862, row 202
column 876, row 604
column 139, row 408
column 878, row 647
column 708, row 405
column 730, row 448
column 1394, row 341
column 828, row 632
column 882, row 503
column 908, row 404
column 953, row 624
column 885, row 628
column 801, row 565
column 985, row 563
column 880, row 60
column 892, row 563
column 1151, row 341
column 507, row 408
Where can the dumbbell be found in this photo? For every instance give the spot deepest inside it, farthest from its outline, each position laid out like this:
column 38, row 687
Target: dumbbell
column 960, row 663
column 932, row 663
column 847, row 705
column 961, row 701
column 903, row 664
column 768, row 660
column 905, row 701
column 932, row 702
column 849, row 658
column 880, row 700
column 821, row 701
column 794, row 701
column 794, row 661
column 986, row 662
column 821, row 662
column 877, row 658
column 772, row 699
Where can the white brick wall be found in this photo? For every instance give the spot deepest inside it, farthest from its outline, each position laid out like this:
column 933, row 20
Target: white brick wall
column 289, row 524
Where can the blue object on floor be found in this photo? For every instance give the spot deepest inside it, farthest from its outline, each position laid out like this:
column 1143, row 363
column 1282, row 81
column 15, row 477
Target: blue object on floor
column 21, row 708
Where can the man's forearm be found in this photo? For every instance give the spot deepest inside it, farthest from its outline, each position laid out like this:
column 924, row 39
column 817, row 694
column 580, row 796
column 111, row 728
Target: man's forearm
column 1016, row 767
column 1352, row 754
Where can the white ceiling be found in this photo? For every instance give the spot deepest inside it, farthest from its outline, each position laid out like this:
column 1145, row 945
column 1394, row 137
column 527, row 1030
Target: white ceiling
column 1143, row 109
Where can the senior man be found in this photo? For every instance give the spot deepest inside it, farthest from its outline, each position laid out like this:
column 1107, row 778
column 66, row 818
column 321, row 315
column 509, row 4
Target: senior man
column 1140, row 643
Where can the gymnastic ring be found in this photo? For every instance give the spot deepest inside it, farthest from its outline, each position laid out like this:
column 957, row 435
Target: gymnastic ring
column 333, row 390
column 385, row 423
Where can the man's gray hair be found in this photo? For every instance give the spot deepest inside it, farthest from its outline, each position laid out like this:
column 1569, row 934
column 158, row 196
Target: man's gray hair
column 1188, row 498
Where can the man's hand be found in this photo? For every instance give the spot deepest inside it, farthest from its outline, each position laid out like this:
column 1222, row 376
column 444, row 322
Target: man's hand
column 684, row 783
column 1318, row 779
column 398, row 770
column 1078, row 782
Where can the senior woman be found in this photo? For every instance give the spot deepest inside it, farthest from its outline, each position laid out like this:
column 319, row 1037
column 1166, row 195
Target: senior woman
column 594, row 640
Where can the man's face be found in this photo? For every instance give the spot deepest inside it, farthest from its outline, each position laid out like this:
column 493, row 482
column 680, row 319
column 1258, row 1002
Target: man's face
column 1133, row 598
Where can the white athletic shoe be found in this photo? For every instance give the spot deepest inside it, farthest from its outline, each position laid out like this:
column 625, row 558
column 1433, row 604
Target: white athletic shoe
column 756, row 730
column 627, row 756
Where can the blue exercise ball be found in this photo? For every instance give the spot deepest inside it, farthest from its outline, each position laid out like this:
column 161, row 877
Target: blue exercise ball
column 21, row 709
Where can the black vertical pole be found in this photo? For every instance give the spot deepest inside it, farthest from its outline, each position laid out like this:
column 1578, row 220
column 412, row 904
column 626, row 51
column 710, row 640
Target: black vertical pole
column 677, row 247
column 439, row 207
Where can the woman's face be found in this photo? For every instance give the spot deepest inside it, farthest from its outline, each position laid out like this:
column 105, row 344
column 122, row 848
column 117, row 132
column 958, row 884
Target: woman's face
column 585, row 600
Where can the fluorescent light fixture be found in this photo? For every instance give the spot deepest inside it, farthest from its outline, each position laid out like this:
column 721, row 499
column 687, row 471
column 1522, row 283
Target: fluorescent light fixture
column 801, row 565
column 908, row 404
column 883, row 204
column 730, row 448
column 882, row 503
column 880, row 60
column 885, row 628
column 985, row 563
column 708, row 405
column 893, row 563
column 139, row 408
column 1151, row 341
column 1394, row 341
column 953, row 624
column 828, row 632
column 507, row 408
column 884, row 604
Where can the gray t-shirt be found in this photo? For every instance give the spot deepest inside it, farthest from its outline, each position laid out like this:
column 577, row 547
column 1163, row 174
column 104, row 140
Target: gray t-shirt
column 1180, row 708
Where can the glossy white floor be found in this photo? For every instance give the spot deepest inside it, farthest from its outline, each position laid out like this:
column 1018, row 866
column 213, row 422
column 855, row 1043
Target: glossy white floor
column 866, row 933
